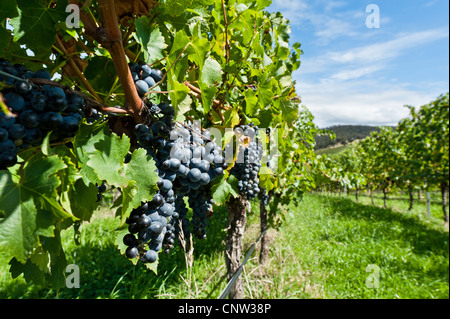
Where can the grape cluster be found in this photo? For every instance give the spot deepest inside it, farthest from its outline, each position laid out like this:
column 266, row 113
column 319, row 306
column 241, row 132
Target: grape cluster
column 204, row 162
column 144, row 77
column 147, row 229
column 34, row 111
column 201, row 203
column 187, row 161
column 248, row 161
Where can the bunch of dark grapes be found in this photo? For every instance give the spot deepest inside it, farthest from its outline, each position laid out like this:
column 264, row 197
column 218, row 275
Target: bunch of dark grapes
column 187, row 161
column 248, row 161
column 204, row 162
column 144, row 77
column 33, row 112
column 201, row 203
column 149, row 224
column 147, row 228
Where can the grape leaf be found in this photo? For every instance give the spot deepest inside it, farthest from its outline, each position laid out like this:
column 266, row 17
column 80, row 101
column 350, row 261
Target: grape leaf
column 151, row 39
column 137, row 178
column 100, row 73
column 30, row 271
column 84, row 146
column 289, row 110
column 177, row 62
column 179, row 96
column 177, row 7
column 4, row 41
column 208, row 95
column 83, row 200
column 8, row 9
column 35, row 25
column 251, row 102
column 212, row 72
column 107, row 159
column 225, row 188
column 21, row 201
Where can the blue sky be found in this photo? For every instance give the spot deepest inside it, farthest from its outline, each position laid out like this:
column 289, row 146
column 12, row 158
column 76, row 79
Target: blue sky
column 351, row 74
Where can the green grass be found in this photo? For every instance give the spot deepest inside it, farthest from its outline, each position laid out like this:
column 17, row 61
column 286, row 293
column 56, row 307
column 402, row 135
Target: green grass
column 344, row 237
column 321, row 251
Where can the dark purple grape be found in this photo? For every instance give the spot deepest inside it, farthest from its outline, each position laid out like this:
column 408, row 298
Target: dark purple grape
column 146, row 70
column 150, row 256
column 157, row 75
column 129, row 240
column 3, row 135
column 22, row 87
column 132, row 252
column 51, row 121
column 29, row 119
column 17, row 131
column 14, row 101
column 142, row 87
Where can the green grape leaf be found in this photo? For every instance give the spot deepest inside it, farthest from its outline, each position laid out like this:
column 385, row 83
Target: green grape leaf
column 177, row 60
column 84, row 146
column 107, row 160
column 21, row 201
column 83, row 200
column 30, row 271
column 198, row 50
column 151, row 39
column 8, row 9
column 208, row 95
column 35, row 25
column 179, row 96
column 251, row 102
column 289, row 111
column 211, row 72
column 4, row 42
column 137, row 178
column 100, row 73
column 176, row 7
column 222, row 190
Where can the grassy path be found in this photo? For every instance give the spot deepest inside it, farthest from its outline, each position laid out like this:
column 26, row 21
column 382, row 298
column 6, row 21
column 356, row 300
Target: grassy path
column 323, row 250
column 335, row 239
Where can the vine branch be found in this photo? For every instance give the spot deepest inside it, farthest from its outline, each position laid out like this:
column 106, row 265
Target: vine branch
column 75, row 68
column 113, row 42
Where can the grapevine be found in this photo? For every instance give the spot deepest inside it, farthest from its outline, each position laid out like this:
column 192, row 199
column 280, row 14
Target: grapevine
column 115, row 105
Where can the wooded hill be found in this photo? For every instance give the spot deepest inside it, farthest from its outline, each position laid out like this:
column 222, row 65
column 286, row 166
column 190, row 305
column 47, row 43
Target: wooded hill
column 344, row 134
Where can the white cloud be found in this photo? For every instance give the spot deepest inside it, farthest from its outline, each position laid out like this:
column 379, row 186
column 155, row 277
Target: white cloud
column 364, row 102
column 355, row 73
column 367, row 56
